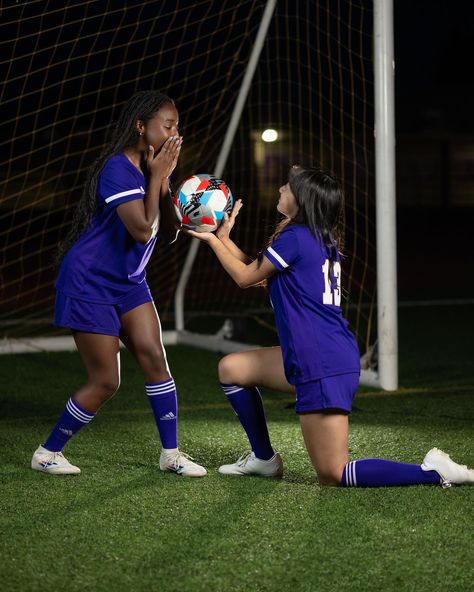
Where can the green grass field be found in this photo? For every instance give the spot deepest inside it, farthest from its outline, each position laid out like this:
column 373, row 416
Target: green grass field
column 125, row 526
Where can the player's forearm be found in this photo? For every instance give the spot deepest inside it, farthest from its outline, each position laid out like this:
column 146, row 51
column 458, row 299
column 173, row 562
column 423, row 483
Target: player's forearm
column 157, row 214
column 141, row 217
column 234, row 249
column 233, row 265
column 152, row 204
column 168, row 220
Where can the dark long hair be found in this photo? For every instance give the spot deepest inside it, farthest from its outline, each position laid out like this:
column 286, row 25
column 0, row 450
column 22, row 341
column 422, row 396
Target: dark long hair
column 141, row 106
column 320, row 200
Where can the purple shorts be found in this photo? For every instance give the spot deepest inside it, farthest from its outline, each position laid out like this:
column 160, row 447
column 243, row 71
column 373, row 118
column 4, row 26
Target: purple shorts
column 333, row 392
column 90, row 317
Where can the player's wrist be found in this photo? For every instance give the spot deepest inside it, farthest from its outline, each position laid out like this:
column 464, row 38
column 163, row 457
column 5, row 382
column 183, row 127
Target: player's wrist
column 159, row 174
column 213, row 239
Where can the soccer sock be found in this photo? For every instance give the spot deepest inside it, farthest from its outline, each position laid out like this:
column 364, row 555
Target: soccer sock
column 248, row 406
column 72, row 419
column 164, row 403
column 378, row 472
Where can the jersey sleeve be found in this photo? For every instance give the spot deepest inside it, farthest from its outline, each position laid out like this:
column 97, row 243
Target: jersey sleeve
column 118, row 184
column 284, row 250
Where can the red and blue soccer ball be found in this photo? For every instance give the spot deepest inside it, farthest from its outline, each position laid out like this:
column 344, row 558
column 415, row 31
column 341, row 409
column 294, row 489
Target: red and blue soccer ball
column 201, row 202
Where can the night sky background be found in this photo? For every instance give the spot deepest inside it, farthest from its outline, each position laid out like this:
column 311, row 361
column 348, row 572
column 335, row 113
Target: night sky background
column 434, row 46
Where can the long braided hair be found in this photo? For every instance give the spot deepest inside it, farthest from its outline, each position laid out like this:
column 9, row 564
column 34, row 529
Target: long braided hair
column 141, row 106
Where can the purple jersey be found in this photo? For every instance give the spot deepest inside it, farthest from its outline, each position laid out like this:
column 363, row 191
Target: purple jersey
column 315, row 338
column 105, row 263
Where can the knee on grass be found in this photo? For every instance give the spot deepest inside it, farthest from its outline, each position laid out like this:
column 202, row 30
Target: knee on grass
column 330, row 476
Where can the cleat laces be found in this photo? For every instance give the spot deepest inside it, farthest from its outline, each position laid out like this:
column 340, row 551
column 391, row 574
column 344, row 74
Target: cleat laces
column 52, row 459
column 178, row 459
column 244, row 459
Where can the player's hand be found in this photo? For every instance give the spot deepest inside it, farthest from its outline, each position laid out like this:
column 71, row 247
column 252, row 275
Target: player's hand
column 228, row 223
column 164, row 162
column 205, row 237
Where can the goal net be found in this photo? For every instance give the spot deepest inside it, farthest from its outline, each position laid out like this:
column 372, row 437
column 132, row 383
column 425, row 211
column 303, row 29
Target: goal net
column 69, row 67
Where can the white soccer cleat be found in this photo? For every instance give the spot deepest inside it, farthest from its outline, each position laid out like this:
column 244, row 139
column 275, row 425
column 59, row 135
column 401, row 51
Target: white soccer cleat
column 181, row 464
column 249, row 464
column 449, row 471
column 54, row 463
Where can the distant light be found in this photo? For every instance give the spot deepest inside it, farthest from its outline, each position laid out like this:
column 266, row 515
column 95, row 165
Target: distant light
column 269, row 135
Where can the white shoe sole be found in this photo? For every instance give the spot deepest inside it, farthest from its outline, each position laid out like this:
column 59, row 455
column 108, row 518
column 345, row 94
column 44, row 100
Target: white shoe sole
column 237, row 470
column 184, row 473
column 57, row 470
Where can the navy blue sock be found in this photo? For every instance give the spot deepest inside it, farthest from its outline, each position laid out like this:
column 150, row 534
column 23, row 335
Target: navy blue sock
column 248, row 406
column 164, row 403
column 72, row 419
column 378, row 472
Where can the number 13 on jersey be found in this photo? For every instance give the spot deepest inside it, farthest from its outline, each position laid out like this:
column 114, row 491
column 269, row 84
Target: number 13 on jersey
column 332, row 294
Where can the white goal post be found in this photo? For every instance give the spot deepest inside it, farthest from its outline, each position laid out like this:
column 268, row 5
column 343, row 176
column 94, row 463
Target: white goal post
column 386, row 237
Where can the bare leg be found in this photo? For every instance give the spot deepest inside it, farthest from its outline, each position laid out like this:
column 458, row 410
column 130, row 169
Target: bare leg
column 325, row 434
column 101, row 357
column 326, row 437
column 262, row 367
column 141, row 333
column 257, row 367
column 100, row 354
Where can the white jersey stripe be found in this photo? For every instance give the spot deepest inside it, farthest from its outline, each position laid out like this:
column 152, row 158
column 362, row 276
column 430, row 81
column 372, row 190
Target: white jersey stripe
column 280, row 260
column 125, row 193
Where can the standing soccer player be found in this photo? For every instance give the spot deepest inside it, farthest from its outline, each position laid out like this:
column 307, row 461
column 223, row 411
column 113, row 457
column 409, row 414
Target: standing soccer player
column 102, row 293
column 318, row 359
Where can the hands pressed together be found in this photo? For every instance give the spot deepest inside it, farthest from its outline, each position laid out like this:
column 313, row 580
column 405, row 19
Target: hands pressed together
column 164, row 163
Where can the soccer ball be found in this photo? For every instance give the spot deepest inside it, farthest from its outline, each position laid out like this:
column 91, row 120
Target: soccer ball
column 201, row 202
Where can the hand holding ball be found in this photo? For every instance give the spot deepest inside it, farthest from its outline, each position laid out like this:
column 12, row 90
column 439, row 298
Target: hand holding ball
column 201, row 202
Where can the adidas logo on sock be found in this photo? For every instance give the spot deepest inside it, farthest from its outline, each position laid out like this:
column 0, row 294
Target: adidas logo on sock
column 169, row 415
column 67, row 432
